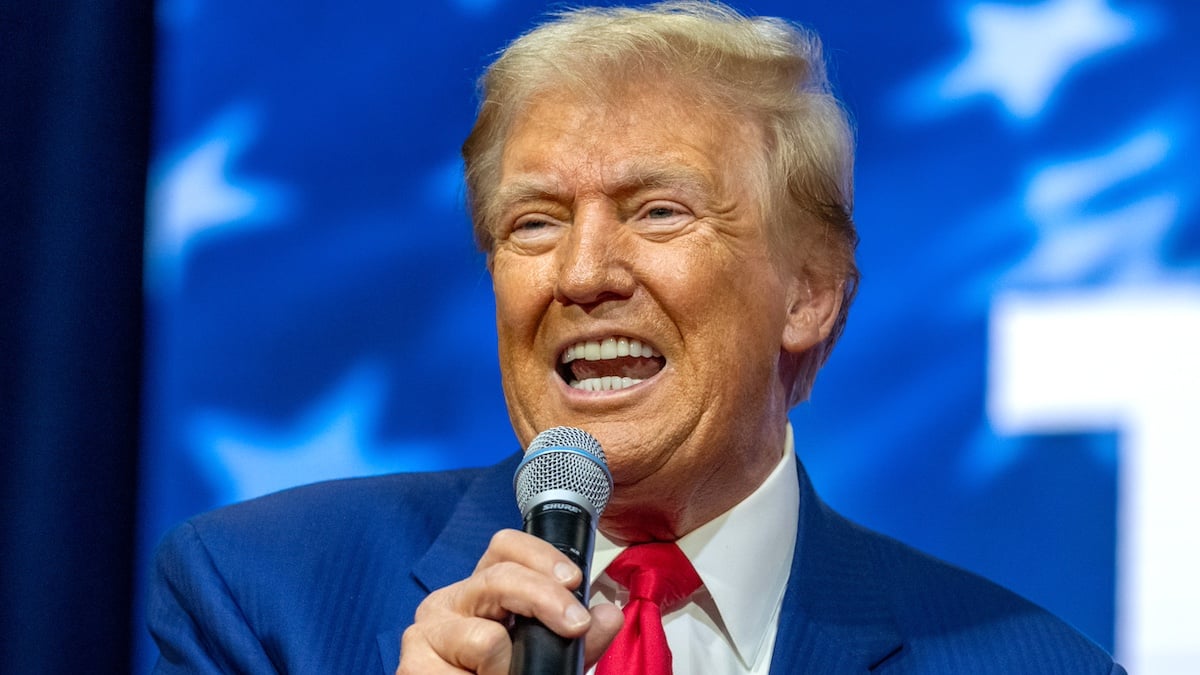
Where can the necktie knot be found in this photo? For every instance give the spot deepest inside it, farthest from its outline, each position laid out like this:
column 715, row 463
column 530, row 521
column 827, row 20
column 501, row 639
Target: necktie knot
column 658, row 572
column 657, row 575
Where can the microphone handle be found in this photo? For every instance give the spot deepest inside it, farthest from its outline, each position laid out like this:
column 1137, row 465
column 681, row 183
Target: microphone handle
column 537, row 650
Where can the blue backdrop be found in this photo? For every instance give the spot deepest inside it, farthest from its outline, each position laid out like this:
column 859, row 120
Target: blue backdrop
column 316, row 308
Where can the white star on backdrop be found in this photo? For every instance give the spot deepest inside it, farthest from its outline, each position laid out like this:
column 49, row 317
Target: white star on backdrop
column 1019, row 54
column 1075, row 245
column 195, row 193
column 332, row 438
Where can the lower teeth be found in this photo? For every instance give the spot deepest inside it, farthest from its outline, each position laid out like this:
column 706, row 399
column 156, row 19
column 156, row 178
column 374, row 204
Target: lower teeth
column 604, row 383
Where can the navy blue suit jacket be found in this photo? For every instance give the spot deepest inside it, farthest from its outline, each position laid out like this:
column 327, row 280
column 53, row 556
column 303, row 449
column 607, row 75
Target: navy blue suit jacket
column 325, row 578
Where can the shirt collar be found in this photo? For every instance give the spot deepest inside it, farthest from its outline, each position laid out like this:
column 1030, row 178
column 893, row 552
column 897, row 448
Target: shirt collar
column 743, row 556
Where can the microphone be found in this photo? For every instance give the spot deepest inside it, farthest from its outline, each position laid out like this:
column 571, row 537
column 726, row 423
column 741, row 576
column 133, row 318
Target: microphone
column 562, row 487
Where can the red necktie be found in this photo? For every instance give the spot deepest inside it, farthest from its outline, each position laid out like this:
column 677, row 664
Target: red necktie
column 658, row 575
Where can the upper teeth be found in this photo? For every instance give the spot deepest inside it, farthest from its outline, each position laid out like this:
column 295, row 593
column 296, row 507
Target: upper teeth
column 609, row 348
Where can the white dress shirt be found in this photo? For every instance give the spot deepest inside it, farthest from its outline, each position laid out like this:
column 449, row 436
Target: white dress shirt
column 744, row 557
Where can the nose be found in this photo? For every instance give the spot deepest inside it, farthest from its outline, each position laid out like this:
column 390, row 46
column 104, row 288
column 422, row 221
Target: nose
column 594, row 260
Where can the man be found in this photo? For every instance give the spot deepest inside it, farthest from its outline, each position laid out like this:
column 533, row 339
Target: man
column 664, row 197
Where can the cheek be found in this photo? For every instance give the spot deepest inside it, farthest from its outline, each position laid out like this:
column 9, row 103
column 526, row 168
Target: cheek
column 713, row 284
column 520, row 297
column 515, row 333
column 733, row 304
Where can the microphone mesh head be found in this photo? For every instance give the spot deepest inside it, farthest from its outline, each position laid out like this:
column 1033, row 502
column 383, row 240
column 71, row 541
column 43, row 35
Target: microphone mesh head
column 564, row 458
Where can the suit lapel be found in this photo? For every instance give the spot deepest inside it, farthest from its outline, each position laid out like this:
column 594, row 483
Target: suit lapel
column 486, row 506
column 835, row 617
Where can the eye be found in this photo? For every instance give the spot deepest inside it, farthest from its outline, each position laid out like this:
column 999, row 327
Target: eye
column 530, row 225
column 534, row 232
column 662, row 218
column 661, row 209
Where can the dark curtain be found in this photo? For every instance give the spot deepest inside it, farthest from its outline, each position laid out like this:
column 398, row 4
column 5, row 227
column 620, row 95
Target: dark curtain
column 75, row 82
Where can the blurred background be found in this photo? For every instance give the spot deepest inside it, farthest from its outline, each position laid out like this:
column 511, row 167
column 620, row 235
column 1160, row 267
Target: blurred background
column 236, row 260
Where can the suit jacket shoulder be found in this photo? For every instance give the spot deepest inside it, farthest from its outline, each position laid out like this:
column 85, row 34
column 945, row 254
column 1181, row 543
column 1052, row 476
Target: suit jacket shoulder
column 858, row 601
column 320, row 578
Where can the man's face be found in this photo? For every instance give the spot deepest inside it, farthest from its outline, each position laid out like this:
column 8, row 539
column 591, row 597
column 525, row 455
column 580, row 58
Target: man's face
column 637, row 299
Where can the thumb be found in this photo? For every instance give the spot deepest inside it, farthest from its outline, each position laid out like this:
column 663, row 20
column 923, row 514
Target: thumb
column 606, row 622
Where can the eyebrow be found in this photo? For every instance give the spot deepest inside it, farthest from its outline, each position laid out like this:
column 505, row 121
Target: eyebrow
column 526, row 190
column 634, row 177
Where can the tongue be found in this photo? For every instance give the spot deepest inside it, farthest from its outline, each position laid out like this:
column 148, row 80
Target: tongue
column 638, row 368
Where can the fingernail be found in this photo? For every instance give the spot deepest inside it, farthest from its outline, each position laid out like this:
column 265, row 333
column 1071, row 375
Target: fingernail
column 565, row 572
column 576, row 616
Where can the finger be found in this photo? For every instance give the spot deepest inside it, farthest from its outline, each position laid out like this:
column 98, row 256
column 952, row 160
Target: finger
column 418, row 657
column 508, row 588
column 606, row 623
column 455, row 645
column 529, row 551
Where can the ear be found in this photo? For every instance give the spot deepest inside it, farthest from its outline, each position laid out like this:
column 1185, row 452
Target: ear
column 812, row 310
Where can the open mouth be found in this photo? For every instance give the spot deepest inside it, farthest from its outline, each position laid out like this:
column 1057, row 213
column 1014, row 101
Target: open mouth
column 609, row 364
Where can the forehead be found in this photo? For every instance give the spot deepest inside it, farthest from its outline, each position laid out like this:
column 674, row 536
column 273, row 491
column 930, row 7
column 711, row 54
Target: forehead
column 624, row 137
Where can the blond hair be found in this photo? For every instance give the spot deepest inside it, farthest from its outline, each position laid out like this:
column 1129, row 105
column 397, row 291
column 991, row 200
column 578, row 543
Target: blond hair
column 764, row 69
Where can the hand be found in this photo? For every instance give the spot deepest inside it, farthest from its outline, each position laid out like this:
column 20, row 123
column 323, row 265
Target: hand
column 462, row 628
